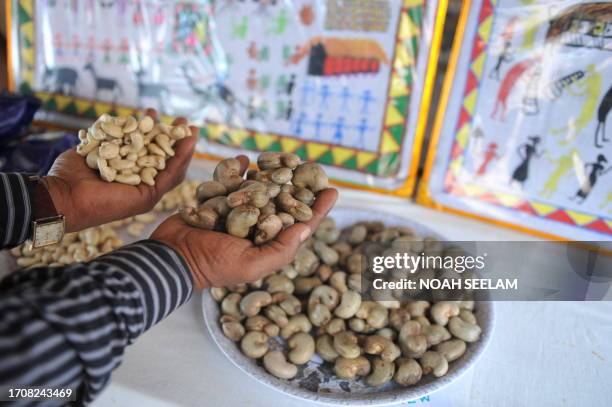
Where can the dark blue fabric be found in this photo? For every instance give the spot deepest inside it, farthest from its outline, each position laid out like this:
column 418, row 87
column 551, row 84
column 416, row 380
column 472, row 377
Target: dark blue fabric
column 16, row 114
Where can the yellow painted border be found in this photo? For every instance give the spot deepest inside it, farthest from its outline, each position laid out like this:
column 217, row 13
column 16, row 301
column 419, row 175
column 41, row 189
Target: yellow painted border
column 424, row 196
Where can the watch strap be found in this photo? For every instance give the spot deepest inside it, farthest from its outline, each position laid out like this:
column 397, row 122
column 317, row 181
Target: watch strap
column 42, row 204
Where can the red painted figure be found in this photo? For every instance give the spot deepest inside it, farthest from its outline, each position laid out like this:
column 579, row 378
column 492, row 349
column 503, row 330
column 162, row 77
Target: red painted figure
column 489, row 156
column 505, row 88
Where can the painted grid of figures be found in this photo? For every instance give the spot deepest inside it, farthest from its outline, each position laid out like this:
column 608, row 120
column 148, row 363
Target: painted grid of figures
column 539, row 128
column 317, row 70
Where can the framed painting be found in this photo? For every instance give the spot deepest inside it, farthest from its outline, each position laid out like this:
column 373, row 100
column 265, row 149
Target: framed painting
column 345, row 84
column 520, row 137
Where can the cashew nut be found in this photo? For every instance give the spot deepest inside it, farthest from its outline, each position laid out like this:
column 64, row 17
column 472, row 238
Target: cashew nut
column 302, row 348
column 276, row 364
column 254, row 344
column 311, row 176
column 350, row 368
column 382, row 372
column 254, row 301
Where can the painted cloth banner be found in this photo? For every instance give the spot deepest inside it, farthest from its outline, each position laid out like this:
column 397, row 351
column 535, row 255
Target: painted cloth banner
column 336, row 82
column 523, row 138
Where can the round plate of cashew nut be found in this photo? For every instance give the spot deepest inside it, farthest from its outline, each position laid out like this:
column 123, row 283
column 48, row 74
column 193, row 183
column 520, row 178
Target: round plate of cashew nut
column 306, row 332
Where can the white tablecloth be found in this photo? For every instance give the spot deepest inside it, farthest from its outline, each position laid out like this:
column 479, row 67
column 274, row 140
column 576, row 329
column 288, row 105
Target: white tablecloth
column 542, row 353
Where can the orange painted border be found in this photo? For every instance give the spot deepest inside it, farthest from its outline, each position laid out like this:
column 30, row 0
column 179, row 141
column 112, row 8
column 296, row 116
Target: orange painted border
column 8, row 9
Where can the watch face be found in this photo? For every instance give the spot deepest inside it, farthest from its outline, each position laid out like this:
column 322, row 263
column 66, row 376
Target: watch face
column 48, row 233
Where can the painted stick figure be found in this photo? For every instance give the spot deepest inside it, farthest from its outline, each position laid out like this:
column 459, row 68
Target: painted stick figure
column 290, row 85
column 503, row 57
column 505, row 88
column 252, row 50
column 251, row 81
column 489, row 156
column 597, row 169
column 602, row 114
column 345, row 97
column 526, row 152
column 362, row 129
column 307, row 90
column 318, row 125
column 590, row 88
column 299, row 122
column 563, row 165
column 339, row 127
column 366, row 99
column 325, row 93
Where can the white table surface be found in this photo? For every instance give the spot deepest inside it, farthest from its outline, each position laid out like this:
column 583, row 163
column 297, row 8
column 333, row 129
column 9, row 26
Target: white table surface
column 542, row 353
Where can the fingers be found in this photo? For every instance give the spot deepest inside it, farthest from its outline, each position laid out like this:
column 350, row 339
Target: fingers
column 270, row 257
column 151, row 113
column 282, row 250
column 176, row 166
column 325, row 201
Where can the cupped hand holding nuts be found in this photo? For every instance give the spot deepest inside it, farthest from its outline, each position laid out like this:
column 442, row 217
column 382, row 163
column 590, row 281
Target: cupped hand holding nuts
column 87, row 200
column 216, row 258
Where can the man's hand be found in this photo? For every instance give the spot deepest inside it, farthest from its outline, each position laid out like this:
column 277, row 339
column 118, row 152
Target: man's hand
column 86, row 200
column 217, row 259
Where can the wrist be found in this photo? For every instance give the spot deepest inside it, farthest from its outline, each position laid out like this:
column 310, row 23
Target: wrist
column 200, row 281
column 58, row 194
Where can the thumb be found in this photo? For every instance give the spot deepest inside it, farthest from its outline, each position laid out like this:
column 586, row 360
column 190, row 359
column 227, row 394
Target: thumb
column 279, row 252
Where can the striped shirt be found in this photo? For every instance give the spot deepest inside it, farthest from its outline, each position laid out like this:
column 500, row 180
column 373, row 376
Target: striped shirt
column 69, row 326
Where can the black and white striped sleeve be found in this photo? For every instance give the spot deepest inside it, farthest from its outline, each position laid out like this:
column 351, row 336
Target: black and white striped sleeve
column 15, row 209
column 69, row 326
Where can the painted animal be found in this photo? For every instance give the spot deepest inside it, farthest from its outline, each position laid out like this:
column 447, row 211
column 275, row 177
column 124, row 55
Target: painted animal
column 104, row 84
column 602, row 114
column 151, row 90
column 507, row 85
column 60, row 80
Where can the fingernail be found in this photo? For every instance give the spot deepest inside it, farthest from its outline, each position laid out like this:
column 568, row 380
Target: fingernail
column 305, row 234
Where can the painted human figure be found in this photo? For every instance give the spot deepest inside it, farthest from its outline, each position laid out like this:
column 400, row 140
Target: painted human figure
column 489, row 155
column 595, row 171
column 366, row 99
column 526, row 152
column 602, row 114
column 563, row 165
column 290, row 85
column 506, row 36
column 339, row 127
column 502, row 58
column 299, row 122
column 588, row 87
column 318, row 125
column 325, row 94
column 345, row 97
column 507, row 85
column 308, row 89
column 251, row 81
column 362, row 129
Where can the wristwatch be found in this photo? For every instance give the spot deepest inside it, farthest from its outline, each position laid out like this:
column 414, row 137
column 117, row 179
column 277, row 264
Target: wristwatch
column 47, row 226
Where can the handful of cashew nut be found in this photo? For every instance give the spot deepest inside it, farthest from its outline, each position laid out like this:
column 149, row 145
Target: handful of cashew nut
column 314, row 306
column 274, row 197
column 74, row 247
column 128, row 150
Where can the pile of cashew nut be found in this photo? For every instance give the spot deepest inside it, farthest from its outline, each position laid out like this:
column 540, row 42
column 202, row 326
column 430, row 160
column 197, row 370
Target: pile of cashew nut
column 74, row 247
column 128, row 150
column 274, row 197
column 93, row 242
column 314, row 306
